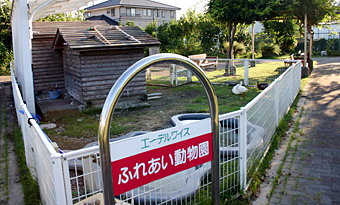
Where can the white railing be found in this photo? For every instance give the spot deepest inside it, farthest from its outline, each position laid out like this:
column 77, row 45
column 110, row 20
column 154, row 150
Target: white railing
column 41, row 158
column 245, row 135
column 165, row 73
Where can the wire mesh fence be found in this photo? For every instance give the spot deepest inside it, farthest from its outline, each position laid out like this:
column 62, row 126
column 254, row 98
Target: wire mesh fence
column 41, row 158
column 245, row 135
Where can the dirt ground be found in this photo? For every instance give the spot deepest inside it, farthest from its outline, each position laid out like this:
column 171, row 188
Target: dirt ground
column 10, row 187
column 155, row 117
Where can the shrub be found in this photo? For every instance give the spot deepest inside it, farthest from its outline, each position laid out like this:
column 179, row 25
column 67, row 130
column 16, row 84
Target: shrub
column 269, row 49
column 5, row 58
column 238, row 48
column 333, row 53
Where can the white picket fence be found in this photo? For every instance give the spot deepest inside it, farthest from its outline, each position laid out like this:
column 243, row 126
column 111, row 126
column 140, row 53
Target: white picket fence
column 245, row 135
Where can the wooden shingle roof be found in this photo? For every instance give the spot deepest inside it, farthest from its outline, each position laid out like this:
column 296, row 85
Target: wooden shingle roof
column 49, row 29
column 83, row 37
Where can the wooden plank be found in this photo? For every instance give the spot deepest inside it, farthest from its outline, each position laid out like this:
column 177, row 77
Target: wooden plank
column 103, row 96
column 44, row 78
column 115, row 65
column 48, row 73
column 109, row 86
column 98, row 83
column 43, row 68
column 130, row 90
column 97, row 78
column 113, row 72
column 104, row 54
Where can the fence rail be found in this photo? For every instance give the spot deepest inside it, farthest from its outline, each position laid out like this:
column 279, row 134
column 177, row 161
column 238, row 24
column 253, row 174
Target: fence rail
column 245, row 136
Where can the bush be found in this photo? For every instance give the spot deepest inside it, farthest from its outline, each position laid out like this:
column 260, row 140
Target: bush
column 333, row 53
column 239, row 48
column 5, row 58
column 316, row 53
column 269, row 49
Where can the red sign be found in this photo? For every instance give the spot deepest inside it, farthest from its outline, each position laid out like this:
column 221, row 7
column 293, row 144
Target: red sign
column 138, row 170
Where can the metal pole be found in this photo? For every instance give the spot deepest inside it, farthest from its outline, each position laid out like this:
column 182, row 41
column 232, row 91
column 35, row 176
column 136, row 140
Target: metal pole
column 305, row 55
column 113, row 97
column 252, row 40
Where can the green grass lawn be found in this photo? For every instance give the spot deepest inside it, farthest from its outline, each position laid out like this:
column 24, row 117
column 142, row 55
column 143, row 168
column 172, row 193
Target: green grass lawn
column 264, row 71
column 85, row 124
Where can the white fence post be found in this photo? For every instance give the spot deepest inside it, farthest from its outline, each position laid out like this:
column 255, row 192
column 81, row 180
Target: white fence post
column 291, row 85
column 189, row 76
column 277, row 101
column 243, row 149
column 59, row 186
column 148, row 74
column 176, row 74
column 172, row 75
column 246, row 67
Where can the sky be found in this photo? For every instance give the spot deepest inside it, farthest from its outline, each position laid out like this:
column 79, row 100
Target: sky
column 185, row 4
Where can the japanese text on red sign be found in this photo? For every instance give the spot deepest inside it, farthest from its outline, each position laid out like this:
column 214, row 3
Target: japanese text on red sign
column 165, row 137
column 154, row 165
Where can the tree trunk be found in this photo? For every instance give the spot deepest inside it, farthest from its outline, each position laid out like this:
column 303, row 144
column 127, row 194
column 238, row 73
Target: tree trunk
column 231, row 34
column 311, row 41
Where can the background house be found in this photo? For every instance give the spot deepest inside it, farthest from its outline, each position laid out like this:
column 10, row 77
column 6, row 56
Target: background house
column 139, row 11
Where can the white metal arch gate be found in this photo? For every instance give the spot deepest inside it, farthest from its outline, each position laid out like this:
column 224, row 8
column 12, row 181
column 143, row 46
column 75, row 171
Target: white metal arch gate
column 113, row 97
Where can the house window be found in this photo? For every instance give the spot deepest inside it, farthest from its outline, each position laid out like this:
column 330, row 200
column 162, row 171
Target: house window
column 172, row 14
column 144, row 12
column 157, row 13
column 149, row 12
column 88, row 14
column 113, row 12
column 108, row 11
column 130, row 12
column 163, row 14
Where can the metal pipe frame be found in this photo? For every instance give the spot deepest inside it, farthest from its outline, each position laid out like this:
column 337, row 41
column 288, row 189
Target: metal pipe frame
column 113, row 97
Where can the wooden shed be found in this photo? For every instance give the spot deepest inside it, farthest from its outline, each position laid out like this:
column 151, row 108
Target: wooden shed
column 48, row 63
column 90, row 57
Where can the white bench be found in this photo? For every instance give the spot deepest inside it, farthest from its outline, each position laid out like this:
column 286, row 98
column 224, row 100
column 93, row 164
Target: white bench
column 209, row 62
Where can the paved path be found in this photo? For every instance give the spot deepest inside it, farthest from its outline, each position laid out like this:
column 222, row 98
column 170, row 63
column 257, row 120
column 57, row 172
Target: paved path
column 311, row 172
column 10, row 187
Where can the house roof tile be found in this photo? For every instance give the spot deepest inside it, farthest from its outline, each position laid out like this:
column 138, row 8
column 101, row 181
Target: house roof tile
column 133, row 3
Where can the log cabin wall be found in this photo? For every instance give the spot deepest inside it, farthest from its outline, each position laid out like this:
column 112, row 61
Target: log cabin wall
column 47, row 65
column 72, row 73
column 90, row 75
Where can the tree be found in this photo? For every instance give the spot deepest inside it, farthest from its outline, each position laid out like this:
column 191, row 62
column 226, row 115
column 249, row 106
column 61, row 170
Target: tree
column 234, row 12
column 66, row 16
column 317, row 11
column 283, row 33
column 151, row 28
column 130, row 23
column 209, row 31
column 193, row 33
column 5, row 37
